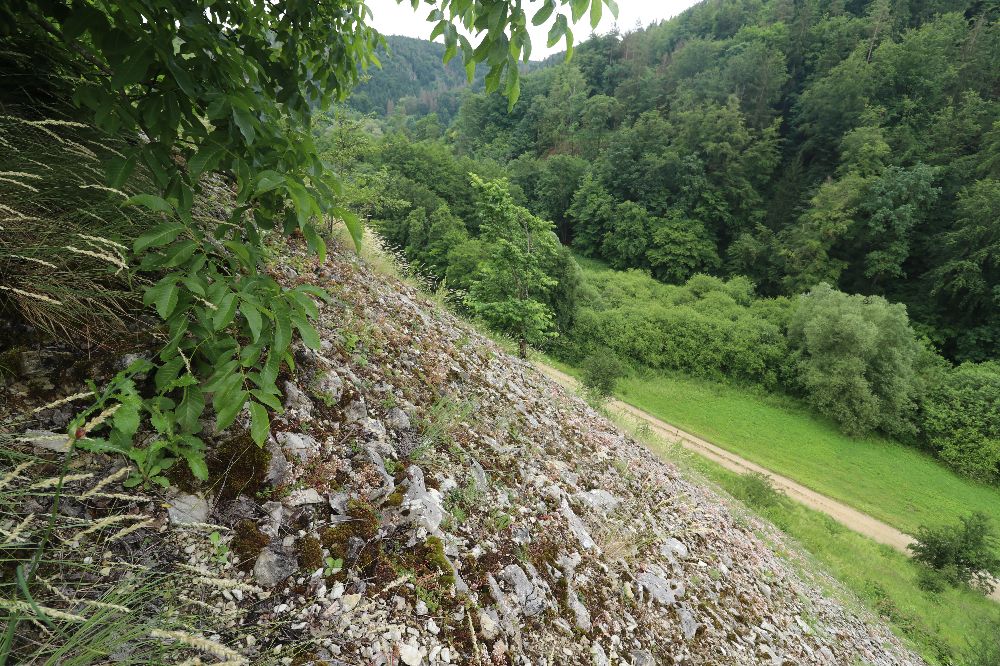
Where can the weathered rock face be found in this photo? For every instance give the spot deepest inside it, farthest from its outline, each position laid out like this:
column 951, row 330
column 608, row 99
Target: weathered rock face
column 432, row 500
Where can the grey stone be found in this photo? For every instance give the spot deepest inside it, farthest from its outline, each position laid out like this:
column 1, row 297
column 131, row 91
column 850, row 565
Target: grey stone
column 355, row 411
column 299, row 445
column 275, row 515
column 420, row 506
column 328, row 387
column 46, row 440
column 689, row 625
column 388, row 483
column 397, row 419
column 303, row 497
column 186, row 509
column 581, row 615
column 674, row 550
column 530, row 596
column 642, row 658
column 272, row 568
column 278, row 469
column 576, row 526
column 375, row 428
column 410, row 655
column 479, row 475
column 489, row 623
column 297, row 401
column 598, row 500
column 599, row 655
column 661, row 590
column 338, row 502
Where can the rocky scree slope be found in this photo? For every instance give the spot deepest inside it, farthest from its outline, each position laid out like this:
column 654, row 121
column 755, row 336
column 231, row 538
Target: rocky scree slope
column 428, row 499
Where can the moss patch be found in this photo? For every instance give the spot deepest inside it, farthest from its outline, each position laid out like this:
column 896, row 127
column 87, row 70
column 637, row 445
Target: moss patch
column 238, row 466
column 363, row 525
column 247, row 543
column 310, row 552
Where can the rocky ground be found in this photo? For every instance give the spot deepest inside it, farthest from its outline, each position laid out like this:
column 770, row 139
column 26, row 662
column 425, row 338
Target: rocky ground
column 428, row 499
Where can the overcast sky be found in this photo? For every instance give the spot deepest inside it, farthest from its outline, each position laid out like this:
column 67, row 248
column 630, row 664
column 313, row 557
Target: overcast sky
column 391, row 18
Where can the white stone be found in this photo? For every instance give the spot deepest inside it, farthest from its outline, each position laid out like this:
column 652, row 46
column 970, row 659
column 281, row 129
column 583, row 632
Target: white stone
column 186, row 509
column 410, row 654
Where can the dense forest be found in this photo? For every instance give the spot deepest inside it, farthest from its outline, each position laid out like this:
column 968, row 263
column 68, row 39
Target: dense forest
column 411, row 75
column 820, row 180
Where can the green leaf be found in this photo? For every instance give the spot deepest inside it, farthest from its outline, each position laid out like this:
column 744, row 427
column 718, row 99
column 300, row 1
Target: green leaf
column 596, row 8
column 179, row 253
column 168, row 372
column 119, row 169
column 260, row 424
column 196, row 463
column 268, row 180
column 206, row 159
column 315, row 241
column 254, row 320
column 226, row 312
column 230, row 406
column 126, row 418
column 543, row 14
column 268, row 399
column 309, row 335
column 282, row 329
column 164, row 295
column 157, row 236
column 150, row 201
column 354, row 225
column 191, row 409
column 245, row 121
column 241, row 251
column 557, row 30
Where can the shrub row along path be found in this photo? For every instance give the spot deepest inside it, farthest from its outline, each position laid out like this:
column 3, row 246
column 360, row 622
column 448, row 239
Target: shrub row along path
column 849, row 517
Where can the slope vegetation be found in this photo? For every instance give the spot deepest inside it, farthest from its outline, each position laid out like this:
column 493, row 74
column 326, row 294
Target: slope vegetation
column 427, row 498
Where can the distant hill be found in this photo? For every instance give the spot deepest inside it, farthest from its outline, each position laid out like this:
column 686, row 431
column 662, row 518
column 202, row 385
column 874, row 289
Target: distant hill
column 413, row 74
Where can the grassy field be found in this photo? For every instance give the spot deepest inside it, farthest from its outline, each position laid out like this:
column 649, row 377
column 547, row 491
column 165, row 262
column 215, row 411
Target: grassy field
column 892, row 482
column 944, row 627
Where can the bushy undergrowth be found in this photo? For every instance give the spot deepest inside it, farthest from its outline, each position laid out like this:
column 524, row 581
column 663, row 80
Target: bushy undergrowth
column 601, row 372
column 962, row 554
column 855, row 359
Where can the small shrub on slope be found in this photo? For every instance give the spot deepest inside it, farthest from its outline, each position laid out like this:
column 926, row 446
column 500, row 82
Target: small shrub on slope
column 960, row 554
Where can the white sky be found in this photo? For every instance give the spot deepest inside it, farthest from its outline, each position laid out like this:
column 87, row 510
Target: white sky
column 391, row 18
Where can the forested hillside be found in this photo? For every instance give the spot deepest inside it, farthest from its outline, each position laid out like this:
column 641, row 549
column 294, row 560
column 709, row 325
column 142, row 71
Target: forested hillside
column 854, row 143
column 820, row 181
column 411, row 74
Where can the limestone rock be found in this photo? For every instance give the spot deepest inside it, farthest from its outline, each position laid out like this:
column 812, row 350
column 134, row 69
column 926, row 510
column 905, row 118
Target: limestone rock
column 185, row 509
column 421, row 507
column 396, row 419
column 660, row 589
column 328, row 387
column 297, row 402
column 411, row 655
column 598, row 500
column 299, row 445
column 272, row 568
column 576, row 526
column 355, row 411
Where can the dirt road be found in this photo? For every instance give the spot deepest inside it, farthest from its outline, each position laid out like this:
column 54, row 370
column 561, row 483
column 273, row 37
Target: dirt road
column 842, row 513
